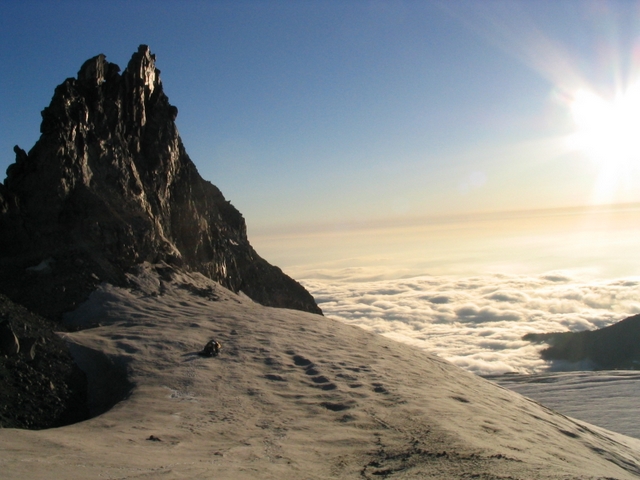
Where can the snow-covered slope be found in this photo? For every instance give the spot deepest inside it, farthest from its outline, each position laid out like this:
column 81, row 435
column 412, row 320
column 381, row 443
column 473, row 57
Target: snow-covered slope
column 605, row 398
column 293, row 395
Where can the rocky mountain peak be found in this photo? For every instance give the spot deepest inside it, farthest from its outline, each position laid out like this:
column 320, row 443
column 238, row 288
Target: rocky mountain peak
column 109, row 185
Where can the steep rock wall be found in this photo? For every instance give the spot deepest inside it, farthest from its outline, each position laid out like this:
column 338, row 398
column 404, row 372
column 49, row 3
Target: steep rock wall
column 109, row 185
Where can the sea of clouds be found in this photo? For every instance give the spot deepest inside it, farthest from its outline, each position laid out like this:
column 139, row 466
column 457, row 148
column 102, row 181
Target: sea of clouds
column 477, row 322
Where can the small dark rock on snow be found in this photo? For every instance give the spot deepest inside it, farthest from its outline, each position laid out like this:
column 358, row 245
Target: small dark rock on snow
column 211, row 349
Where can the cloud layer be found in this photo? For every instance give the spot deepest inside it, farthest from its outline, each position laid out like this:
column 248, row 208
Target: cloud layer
column 478, row 322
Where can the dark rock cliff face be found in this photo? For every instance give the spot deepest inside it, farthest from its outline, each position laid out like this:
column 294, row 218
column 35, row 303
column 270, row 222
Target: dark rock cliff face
column 109, row 185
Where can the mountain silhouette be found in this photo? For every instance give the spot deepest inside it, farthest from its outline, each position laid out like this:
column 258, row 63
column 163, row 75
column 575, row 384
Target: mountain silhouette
column 109, row 185
column 610, row 348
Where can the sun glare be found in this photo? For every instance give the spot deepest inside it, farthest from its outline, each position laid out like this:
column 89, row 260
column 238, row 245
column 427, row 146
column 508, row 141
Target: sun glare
column 608, row 131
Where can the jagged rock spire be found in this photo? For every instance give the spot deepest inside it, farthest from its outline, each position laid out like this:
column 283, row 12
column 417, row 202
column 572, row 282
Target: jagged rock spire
column 109, row 185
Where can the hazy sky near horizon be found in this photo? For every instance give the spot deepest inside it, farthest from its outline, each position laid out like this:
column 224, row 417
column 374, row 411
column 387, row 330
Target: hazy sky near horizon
column 316, row 117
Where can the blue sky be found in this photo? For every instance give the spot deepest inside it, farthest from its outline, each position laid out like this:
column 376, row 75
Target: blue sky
column 330, row 115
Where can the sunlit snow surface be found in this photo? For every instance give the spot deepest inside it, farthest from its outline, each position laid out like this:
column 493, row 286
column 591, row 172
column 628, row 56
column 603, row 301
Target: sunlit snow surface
column 292, row 395
column 608, row 399
column 478, row 322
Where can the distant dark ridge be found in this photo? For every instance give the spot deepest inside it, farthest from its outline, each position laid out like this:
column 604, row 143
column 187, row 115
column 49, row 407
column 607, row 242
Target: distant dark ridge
column 614, row 347
column 108, row 186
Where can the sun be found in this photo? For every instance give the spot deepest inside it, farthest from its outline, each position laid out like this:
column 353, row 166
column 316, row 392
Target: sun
column 608, row 132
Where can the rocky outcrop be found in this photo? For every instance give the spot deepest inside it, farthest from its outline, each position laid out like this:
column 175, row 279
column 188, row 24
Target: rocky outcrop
column 9, row 343
column 616, row 347
column 40, row 384
column 109, row 185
